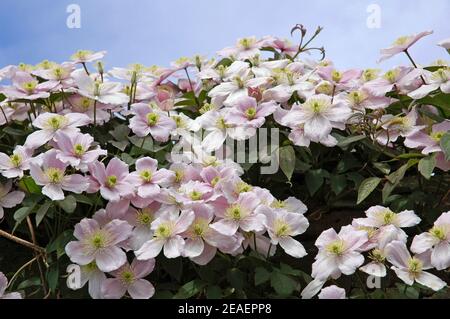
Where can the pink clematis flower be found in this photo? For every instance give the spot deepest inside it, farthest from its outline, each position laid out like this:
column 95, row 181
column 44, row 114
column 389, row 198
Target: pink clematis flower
column 318, row 115
column 130, row 278
column 245, row 48
column 410, row 269
column 339, row 80
column 24, row 86
column 103, row 92
column 91, row 275
column 379, row 216
column 14, row 165
column 247, row 112
column 148, row 178
column 51, row 123
column 149, row 121
column 400, row 78
column 84, row 56
column 9, row 199
column 439, row 79
column 76, row 150
column 338, row 253
column 437, row 239
column 282, row 226
column 98, row 243
column 52, row 175
column 401, row 45
column 3, row 286
column 430, row 143
column 167, row 229
column 203, row 241
column 85, row 105
column 112, row 180
column 240, row 214
column 194, row 192
column 60, row 75
column 332, row 292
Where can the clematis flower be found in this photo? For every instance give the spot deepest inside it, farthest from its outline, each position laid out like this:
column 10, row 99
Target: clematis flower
column 13, row 111
column 94, row 277
column 149, row 121
column 282, row 226
column 395, row 126
column 399, row 79
column 410, row 269
column 76, row 150
column 332, row 292
column 50, row 123
column 60, row 75
column 3, row 286
column 52, row 175
column 96, row 243
column 338, row 253
column 129, row 278
column 245, row 48
column 401, row 45
column 142, row 219
column 14, row 165
column 240, row 214
column 247, row 112
column 361, row 100
column 439, row 79
column 437, row 239
column 24, row 86
column 430, row 143
column 103, row 92
column 112, row 180
column 148, row 178
column 339, row 80
column 9, row 199
column 85, row 105
column 194, row 192
column 166, row 231
column 318, row 115
column 202, row 241
column 84, row 56
column 379, row 216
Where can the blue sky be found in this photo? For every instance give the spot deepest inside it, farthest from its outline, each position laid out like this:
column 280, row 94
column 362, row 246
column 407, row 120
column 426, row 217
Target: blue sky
column 160, row 31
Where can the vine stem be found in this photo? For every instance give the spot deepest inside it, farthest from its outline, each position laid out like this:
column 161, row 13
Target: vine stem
column 19, row 270
column 414, row 64
column 37, row 255
column 192, row 87
column 21, row 241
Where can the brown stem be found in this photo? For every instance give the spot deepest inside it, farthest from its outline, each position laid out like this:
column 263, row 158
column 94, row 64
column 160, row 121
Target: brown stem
column 22, row 242
column 37, row 255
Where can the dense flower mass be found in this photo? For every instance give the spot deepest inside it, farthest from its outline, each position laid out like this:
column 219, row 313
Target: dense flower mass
column 134, row 169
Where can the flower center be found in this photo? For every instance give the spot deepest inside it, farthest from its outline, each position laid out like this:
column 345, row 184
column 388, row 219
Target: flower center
column 111, row 181
column 55, row 175
column 199, row 228
column 441, row 75
column 146, row 175
column 179, row 174
column 401, row 40
column 282, row 228
column 278, row 204
column 391, row 75
column 195, row 195
column 415, row 265
column 250, row 113
column 336, row 247
column 437, row 136
column 152, row 119
column 56, row 122
column 377, row 255
column 85, row 103
column 98, row 240
column 246, row 43
column 144, row 217
column 370, row 74
column 163, row 231
column 15, row 160
column 438, row 232
column 388, row 217
column 243, row 187
column 336, row 76
column 127, row 277
column 78, row 150
column 29, row 86
column 235, row 212
column 82, row 54
column 221, row 124
column 215, row 180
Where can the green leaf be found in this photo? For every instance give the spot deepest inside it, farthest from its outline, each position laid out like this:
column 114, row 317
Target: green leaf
column 287, row 160
column 236, row 278
column 27, row 184
column 283, row 285
column 213, row 292
column 34, row 281
column 445, row 145
column 40, row 214
column 120, row 132
column 382, row 167
column 53, row 277
column 189, row 289
column 314, row 179
column 68, row 204
column 346, row 141
column 338, row 183
column 261, row 275
column 60, row 243
column 137, row 141
column 367, row 187
column 21, row 214
column 14, row 131
column 427, row 165
column 121, row 145
column 83, row 199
